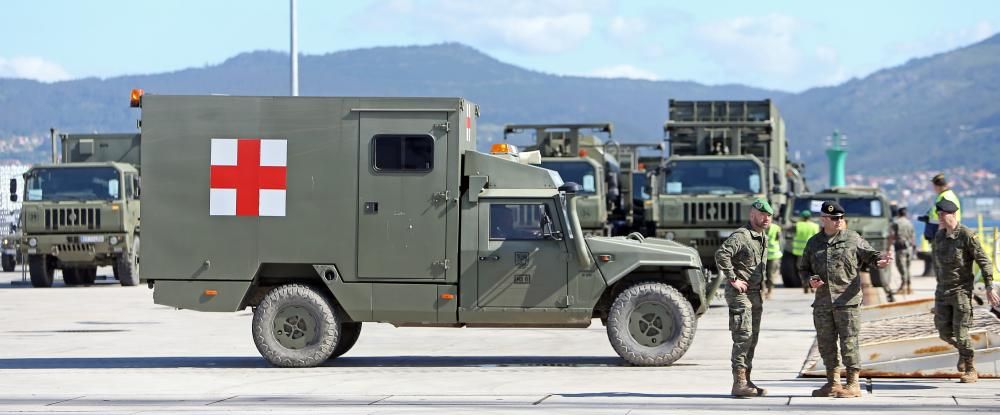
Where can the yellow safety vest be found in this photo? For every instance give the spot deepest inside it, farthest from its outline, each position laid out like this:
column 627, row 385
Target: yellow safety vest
column 950, row 195
column 773, row 242
column 803, row 231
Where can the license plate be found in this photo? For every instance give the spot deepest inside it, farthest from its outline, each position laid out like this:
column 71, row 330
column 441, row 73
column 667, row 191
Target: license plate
column 90, row 239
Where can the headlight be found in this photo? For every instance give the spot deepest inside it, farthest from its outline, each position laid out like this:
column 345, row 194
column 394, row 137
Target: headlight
column 32, row 242
column 113, row 240
column 669, row 236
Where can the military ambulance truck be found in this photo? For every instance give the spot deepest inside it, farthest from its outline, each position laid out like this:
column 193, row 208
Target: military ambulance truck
column 323, row 213
column 84, row 212
column 722, row 156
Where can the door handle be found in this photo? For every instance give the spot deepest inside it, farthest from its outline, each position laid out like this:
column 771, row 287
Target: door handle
column 490, row 258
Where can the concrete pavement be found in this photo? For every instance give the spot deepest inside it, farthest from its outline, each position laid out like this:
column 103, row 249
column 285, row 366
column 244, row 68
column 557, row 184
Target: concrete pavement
column 109, row 349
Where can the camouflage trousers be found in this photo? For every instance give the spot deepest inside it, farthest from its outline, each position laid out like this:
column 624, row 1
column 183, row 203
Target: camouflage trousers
column 744, row 324
column 838, row 326
column 773, row 266
column 903, row 259
column 953, row 317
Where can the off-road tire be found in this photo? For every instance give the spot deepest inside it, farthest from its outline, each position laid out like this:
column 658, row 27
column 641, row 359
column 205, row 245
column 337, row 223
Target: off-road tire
column 87, row 276
column 349, row 333
column 71, row 276
column 126, row 266
column 8, row 262
column 325, row 331
column 679, row 338
column 41, row 270
column 789, row 272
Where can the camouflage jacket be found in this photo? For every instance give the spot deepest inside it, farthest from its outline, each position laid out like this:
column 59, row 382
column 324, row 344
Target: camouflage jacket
column 744, row 256
column 837, row 260
column 902, row 230
column 953, row 257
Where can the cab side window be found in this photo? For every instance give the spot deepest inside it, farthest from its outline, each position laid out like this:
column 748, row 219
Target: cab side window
column 523, row 222
column 402, row 153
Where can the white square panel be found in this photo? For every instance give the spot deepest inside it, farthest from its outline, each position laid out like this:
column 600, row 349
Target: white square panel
column 274, row 153
column 272, row 202
column 224, row 151
column 222, row 202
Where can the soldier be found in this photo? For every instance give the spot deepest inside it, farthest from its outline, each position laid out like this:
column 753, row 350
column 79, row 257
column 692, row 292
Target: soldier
column 773, row 256
column 902, row 238
column 831, row 262
column 742, row 259
column 955, row 248
column 944, row 192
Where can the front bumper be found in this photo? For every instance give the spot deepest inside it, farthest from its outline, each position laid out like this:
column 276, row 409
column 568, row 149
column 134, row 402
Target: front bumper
column 77, row 248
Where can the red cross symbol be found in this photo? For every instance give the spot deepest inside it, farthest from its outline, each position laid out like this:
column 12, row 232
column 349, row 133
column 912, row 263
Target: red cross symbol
column 249, row 177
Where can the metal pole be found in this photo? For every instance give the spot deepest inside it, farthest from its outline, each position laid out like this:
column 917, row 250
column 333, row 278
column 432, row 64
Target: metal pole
column 52, row 138
column 294, row 54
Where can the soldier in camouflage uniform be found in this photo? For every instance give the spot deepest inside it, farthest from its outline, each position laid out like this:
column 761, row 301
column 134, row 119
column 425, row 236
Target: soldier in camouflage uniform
column 956, row 247
column 831, row 262
column 742, row 259
column 902, row 237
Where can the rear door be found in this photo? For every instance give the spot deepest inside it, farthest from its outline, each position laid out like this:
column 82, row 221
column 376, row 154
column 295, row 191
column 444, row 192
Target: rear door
column 402, row 176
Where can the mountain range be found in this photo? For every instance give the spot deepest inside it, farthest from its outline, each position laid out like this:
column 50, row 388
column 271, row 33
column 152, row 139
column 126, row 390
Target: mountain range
column 929, row 113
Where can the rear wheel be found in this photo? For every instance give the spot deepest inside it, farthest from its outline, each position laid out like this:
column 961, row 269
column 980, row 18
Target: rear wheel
column 127, row 265
column 651, row 324
column 71, row 276
column 7, row 262
column 349, row 333
column 296, row 326
column 41, row 269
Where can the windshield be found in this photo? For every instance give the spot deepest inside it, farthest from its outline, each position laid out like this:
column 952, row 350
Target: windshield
column 78, row 183
column 853, row 207
column 639, row 184
column 711, row 177
column 862, row 206
column 579, row 172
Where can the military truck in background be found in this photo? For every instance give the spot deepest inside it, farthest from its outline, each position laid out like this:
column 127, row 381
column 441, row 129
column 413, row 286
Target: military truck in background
column 83, row 213
column 722, row 155
column 608, row 171
column 867, row 211
column 322, row 213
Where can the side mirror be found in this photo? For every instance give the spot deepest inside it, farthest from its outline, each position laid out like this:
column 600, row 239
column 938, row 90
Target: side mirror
column 13, row 190
column 569, row 188
column 135, row 186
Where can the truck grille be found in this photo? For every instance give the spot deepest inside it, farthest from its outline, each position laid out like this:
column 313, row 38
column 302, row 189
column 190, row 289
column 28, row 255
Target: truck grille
column 72, row 218
column 713, row 212
column 75, row 247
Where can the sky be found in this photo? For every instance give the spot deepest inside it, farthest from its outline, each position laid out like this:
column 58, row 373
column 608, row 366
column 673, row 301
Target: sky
column 783, row 45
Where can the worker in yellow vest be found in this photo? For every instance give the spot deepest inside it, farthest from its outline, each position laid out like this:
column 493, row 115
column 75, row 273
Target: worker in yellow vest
column 804, row 229
column 944, row 192
column 773, row 256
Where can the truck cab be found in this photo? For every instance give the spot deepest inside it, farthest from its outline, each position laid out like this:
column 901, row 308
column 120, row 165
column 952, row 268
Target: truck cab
column 83, row 213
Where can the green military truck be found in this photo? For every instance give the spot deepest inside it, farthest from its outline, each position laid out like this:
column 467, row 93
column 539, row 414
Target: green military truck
column 323, row 213
column 722, row 155
column 608, row 172
column 867, row 212
column 84, row 212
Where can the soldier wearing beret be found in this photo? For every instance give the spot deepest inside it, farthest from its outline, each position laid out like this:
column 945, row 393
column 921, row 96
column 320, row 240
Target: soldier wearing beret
column 955, row 248
column 831, row 262
column 742, row 260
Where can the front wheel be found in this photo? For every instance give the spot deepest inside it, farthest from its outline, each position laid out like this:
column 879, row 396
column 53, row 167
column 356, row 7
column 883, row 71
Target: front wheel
column 41, row 269
column 349, row 333
column 295, row 326
column 126, row 266
column 651, row 324
column 8, row 262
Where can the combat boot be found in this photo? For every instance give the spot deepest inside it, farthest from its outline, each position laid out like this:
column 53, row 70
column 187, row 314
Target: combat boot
column 852, row 389
column 740, row 387
column 969, row 375
column 760, row 391
column 832, row 385
column 961, row 365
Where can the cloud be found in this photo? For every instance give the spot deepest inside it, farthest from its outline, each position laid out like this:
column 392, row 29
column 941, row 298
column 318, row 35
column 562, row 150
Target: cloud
column 624, row 71
column 533, row 27
column 626, row 29
column 30, row 67
column 761, row 43
column 943, row 41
